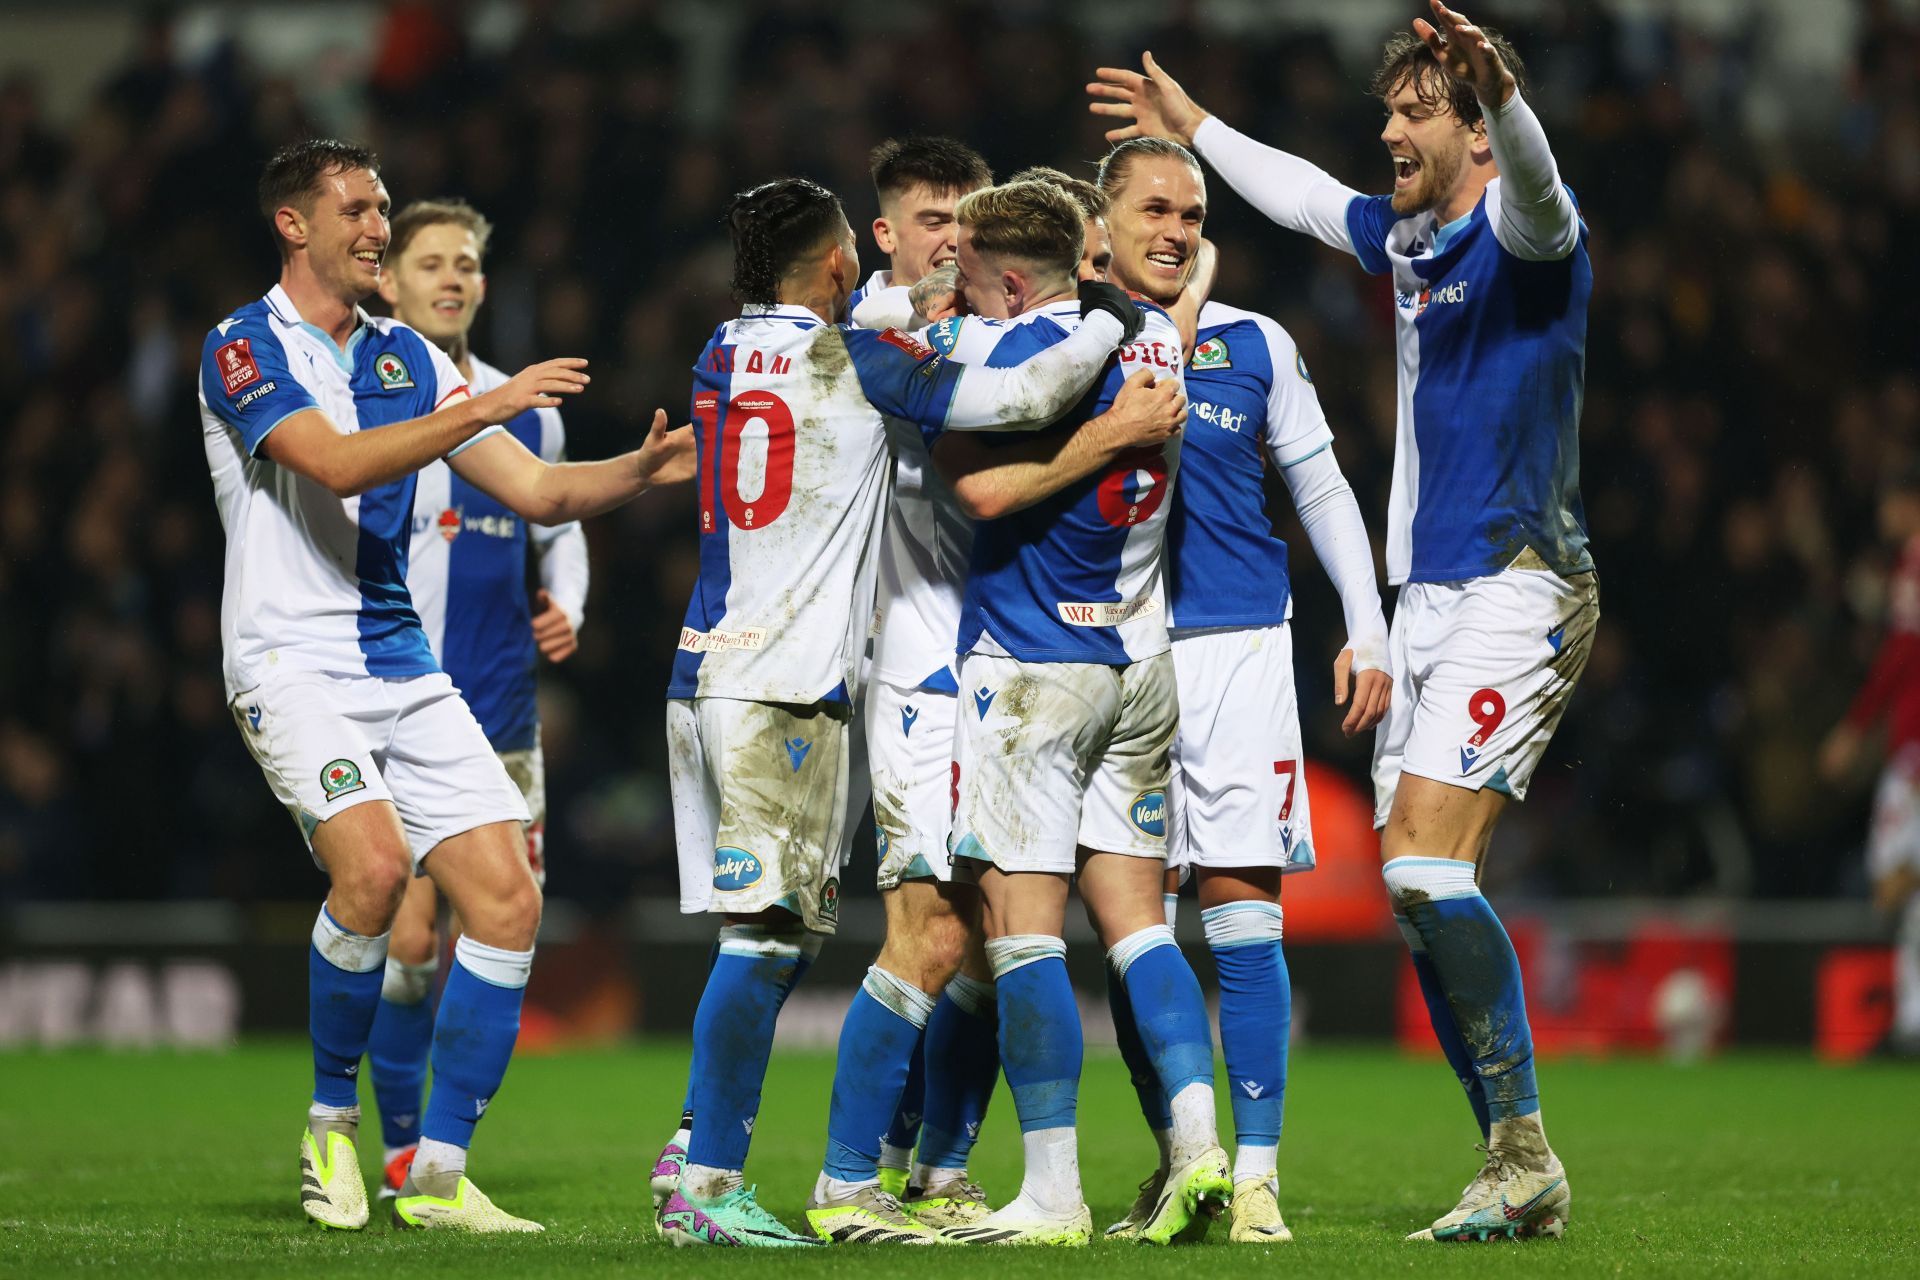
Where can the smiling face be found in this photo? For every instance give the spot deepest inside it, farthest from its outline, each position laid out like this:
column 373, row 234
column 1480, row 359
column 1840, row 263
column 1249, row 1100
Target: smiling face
column 435, row 284
column 1155, row 222
column 1430, row 149
column 916, row 231
column 344, row 232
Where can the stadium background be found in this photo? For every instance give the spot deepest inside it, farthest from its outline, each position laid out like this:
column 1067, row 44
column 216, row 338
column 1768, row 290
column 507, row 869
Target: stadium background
column 1744, row 168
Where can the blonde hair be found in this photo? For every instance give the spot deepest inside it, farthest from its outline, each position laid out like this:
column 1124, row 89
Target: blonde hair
column 422, row 214
column 1033, row 221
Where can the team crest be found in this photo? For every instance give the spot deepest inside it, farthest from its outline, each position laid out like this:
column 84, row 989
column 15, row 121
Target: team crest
column 1300, row 364
column 339, row 778
column 1211, row 354
column 392, row 372
column 449, row 523
column 830, row 899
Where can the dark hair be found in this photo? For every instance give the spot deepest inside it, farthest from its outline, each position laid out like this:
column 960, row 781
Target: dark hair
column 939, row 163
column 773, row 226
column 1407, row 58
column 293, row 176
column 421, row 214
column 1091, row 199
column 1117, row 166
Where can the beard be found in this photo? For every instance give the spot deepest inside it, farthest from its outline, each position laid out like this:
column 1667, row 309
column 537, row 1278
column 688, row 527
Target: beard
column 1438, row 173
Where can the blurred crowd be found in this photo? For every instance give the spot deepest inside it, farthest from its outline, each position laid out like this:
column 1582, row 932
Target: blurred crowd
column 1747, row 390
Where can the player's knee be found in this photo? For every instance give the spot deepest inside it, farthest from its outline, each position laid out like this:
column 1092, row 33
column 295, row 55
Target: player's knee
column 414, row 940
column 379, row 885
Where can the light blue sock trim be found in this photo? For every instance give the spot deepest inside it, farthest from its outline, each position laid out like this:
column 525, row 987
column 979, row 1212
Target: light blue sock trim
column 1130, row 948
column 759, row 940
column 1429, row 880
column 973, row 996
column 1242, row 924
column 1017, row 950
column 899, row 995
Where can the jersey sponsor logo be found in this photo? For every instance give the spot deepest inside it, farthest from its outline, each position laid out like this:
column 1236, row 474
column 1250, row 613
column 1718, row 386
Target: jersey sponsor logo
column 264, row 389
column 983, row 699
column 830, row 899
column 1444, row 295
column 716, row 641
column 237, row 365
column 1157, row 354
column 392, row 372
column 1149, row 813
column 449, row 523
column 907, row 716
column 906, row 342
column 340, row 778
column 1219, row 415
column 945, row 334
column 797, row 749
column 1107, row 613
column 735, row 869
column 1211, row 354
column 1300, row 366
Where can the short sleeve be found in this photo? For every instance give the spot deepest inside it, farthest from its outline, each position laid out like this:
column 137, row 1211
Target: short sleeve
column 247, row 382
column 901, row 375
column 1296, row 425
column 1369, row 219
column 448, row 382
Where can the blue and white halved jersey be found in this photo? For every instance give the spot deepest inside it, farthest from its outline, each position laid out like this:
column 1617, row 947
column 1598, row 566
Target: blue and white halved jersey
column 1492, row 351
column 314, row 582
column 1077, row 577
column 467, row 572
column 1250, row 400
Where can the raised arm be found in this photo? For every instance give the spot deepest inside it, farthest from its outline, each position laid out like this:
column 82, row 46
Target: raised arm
column 1294, row 193
column 554, row 493
column 996, row 476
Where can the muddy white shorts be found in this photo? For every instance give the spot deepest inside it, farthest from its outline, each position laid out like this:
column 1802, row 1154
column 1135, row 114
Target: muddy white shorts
column 1482, row 671
column 329, row 742
column 759, row 805
column 1894, row 843
column 1239, row 794
column 527, row 767
column 910, row 755
column 1056, row 755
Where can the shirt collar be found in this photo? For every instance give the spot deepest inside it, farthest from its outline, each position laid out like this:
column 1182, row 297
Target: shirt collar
column 778, row 311
column 283, row 309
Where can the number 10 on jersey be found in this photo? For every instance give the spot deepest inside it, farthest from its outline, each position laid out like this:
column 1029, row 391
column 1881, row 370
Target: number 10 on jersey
column 755, row 417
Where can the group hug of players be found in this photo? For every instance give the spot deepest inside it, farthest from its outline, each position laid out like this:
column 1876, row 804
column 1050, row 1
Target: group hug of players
column 986, row 532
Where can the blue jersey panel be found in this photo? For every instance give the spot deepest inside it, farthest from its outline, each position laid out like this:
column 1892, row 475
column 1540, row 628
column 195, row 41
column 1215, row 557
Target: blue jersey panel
column 392, row 381
column 903, row 376
column 1225, row 568
column 713, row 383
column 245, row 377
column 487, row 648
column 1496, row 407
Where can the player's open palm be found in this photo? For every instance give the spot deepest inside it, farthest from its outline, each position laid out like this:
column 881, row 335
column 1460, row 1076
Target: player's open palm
column 666, row 457
column 1371, row 693
column 1147, row 411
column 1463, row 50
column 540, row 386
column 1155, row 102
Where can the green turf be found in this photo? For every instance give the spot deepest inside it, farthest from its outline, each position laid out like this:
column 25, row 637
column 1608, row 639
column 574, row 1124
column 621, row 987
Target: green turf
column 169, row 1164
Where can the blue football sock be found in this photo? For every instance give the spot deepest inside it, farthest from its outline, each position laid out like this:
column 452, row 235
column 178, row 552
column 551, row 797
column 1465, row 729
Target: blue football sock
column 1040, row 1042
column 903, row 1127
column 963, row 1063
column 344, row 972
column 751, row 978
column 398, row 1048
column 686, row 1103
column 1478, row 973
column 877, row 1042
column 1133, row 1052
column 473, row 1037
column 1167, row 1007
column 1445, row 1030
column 1256, row 1015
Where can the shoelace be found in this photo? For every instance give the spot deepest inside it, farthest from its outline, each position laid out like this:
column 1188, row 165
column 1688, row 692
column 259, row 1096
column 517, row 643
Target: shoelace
column 750, row 1208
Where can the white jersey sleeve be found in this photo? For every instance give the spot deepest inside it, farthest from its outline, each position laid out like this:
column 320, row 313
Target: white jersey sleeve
column 1532, row 212
column 1296, row 427
column 1298, row 195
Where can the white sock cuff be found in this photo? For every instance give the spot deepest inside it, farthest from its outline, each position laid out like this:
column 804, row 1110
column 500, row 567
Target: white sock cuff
column 1170, row 903
column 1412, row 880
column 408, row 983
column 1415, row 943
column 1242, row 924
column 973, row 996
column 1122, row 954
column 345, row 949
column 759, row 940
column 1017, row 950
column 899, row 995
column 494, row 965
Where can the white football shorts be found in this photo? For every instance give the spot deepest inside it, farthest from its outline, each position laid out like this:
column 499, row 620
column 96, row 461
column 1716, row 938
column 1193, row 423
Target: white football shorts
column 910, row 753
column 1482, row 671
column 1056, row 755
column 528, row 769
column 759, row 805
column 329, row 742
column 1895, row 840
column 1239, row 794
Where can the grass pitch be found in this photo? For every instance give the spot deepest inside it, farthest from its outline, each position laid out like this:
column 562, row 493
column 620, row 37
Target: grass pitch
column 168, row 1164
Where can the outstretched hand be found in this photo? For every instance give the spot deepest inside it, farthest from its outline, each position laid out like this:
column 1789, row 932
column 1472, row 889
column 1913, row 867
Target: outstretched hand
column 666, row 457
column 1463, row 52
column 1155, row 102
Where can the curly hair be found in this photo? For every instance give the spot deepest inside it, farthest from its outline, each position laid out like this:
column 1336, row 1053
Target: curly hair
column 773, row 225
column 1406, row 59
